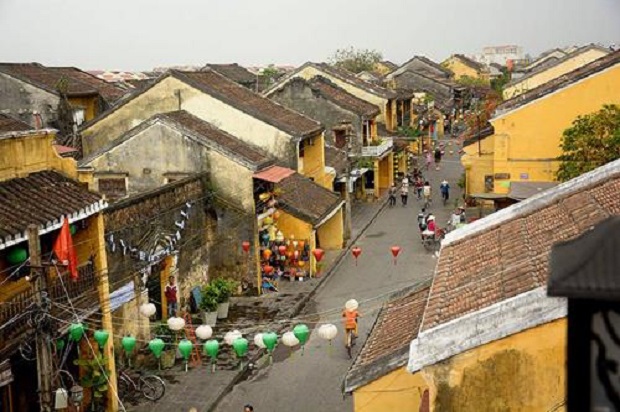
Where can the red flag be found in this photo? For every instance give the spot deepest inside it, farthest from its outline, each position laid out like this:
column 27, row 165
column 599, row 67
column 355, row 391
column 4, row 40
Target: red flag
column 64, row 251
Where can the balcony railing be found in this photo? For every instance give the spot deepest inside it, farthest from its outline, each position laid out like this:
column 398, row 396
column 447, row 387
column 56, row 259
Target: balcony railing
column 379, row 150
column 14, row 313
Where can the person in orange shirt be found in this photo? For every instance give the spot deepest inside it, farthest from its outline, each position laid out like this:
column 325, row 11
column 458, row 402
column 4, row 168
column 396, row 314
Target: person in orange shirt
column 350, row 320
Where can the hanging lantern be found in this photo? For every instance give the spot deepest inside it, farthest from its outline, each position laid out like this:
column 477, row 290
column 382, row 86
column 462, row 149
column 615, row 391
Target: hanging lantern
column 101, row 336
column 73, row 229
column 318, row 254
column 295, row 255
column 295, row 244
column 240, row 345
column 176, row 324
column 279, row 236
column 230, row 337
column 301, row 263
column 266, row 254
column 272, row 202
column 267, row 269
column 17, row 255
column 204, row 332
column 351, row 305
column 157, row 346
column 128, row 343
column 148, row 309
column 264, row 196
column 268, row 221
column 270, row 340
column 211, row 348
column 245, row 245
column 276, row 215
column 258, row 341
column 60, row 345
column 282, row 249
column 185, row 347
column 289, row 339
column 302, row 333
column 356, row 251
column 302, row 244
column 395, row 251
column 328, row 332
column 76, row 331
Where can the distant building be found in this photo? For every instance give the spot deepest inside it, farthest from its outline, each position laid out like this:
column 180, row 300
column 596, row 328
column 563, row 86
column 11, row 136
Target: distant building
column 500, row 54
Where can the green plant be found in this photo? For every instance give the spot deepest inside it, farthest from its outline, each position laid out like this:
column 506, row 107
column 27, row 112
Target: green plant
column 409, row 132
column 210, row 298
column 356, row 60
column 163, row 332
column 461, row 182
column 225, row 288
column 94, row 376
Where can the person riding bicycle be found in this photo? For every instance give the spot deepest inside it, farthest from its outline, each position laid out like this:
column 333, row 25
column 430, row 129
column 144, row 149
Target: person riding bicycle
column 444, row 187
column 431, row 227
column 350, row 320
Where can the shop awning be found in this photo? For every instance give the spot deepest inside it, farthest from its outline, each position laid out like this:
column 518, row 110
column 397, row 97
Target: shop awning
column 490, row 196
column 523, row 190
column 274, row 174
column 355, row 174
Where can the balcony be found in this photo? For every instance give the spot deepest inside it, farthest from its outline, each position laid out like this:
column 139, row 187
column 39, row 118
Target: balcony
column 384, row 146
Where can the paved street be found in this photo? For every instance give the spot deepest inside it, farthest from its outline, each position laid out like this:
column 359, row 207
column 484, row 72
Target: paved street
column 313, row 382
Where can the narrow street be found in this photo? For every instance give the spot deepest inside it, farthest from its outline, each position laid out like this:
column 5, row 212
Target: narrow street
column 313, row 382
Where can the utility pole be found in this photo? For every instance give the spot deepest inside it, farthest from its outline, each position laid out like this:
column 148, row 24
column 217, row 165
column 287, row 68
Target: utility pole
column 347, row 196
column 44, row 355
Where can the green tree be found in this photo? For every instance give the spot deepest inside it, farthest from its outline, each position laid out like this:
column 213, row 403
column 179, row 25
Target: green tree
column 356, row 60
column 499, row 83
column 269, row 75
column 469, row 81
column 592, row 141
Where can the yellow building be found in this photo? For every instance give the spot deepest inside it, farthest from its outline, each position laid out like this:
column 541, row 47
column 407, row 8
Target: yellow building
column 490, row 338
column 560, row 67
column 38, row 187
column 524, row 141
column 463, row 66
column 384, row 67
column 378, row 379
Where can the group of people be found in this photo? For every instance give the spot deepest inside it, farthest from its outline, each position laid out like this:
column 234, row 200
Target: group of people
column 422, row 189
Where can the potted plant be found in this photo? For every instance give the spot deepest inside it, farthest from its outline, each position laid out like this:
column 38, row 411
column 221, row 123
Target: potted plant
column 208, row 304
column 225, row 289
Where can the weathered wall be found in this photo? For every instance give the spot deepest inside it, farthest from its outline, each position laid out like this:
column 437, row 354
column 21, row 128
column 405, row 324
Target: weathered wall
column 478, row 165
column 331, row 233
column 460, row 69
column 294, row 227
column 299, row 97
column 417, row 82
column 314, row 161
column 550, row 73
column 420, row 66
column 523, row 372
column 20, row 99
column 149, row 155
column 396, row 391
column 89, row 104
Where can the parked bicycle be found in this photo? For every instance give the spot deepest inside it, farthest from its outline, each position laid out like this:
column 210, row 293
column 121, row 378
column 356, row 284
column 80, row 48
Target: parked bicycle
column 131, row 388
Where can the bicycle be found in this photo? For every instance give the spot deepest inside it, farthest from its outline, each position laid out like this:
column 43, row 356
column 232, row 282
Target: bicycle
column 151, row 387
column 350, row 342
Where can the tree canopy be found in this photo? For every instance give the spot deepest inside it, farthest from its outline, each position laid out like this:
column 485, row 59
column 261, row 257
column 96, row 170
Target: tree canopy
column 356, row 60
column 592, row 141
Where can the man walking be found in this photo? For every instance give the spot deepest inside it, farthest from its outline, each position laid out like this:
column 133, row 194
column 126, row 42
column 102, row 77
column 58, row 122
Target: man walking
column 404, row 193
column 392, row 195
column 444, row 188
column 171, row 296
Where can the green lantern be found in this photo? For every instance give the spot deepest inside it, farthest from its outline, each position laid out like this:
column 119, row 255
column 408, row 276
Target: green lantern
column 129, row 343
column 76, row 331
column 212, row 347
column 185, row 347
column 270, row 339
column 101, row 336
column 302, row 333
column 60, row 345
column 17, row 255
column 73, row 229
column 157, row 347
column 240, row 345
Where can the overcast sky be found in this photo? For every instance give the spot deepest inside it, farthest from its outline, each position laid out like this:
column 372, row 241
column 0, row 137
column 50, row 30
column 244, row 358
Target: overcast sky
column 142, row 34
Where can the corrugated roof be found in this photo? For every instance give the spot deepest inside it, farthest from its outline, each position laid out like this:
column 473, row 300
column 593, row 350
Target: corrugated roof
column 274, row 174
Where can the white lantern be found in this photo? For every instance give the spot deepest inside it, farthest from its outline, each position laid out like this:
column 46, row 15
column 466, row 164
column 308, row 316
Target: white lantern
column 176, row 324
column 351, row 304
column 148, row 309
column 328, row 331
column 230, row 337
column 289, row 339
column 204, row 332
column 258, row 341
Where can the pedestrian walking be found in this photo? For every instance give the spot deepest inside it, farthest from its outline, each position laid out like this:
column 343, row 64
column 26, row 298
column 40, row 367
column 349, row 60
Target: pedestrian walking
column 429, row 160
column 419, row 185
column 427, row 191
column 437, row 157
column 171, row 292
column 404, row 193
column 248, row 408
column 444, row 187
column 392, row 195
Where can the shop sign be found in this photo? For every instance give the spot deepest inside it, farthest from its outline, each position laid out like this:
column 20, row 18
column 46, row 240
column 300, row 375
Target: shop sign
column 524, row 176
column 502, row 176
column 6, row 374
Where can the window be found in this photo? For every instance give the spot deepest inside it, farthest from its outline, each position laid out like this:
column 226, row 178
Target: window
column 340, row 138
column 113, row 188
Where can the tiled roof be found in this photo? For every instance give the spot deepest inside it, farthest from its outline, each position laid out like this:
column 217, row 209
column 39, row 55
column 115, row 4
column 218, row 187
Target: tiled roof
column 234, row 72
column 41, row 198
column 9, row 124
column 469, row 62
column 46, row 78
column 565, row 80
column 387, row 346
column 274, row 174
column 235, row 145
column 342, row 98
column 305, row 199
column 336, row 158
column 389, row 64
column 507, row 253
column 251, row 103
column 350, row 78
column 108, row 91
column 428, row 62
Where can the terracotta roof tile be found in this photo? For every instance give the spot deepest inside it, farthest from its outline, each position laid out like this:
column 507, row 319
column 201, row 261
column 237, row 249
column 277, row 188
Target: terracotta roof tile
column 107, row 90
column 471, row 63
column 342, row 98
column 350, row 78
column 46, row 78
column 306, row 199
column 234, row 72
column 9, row 124
column 336, row 158
column 40, row 198
column 507, row 253
column 274, row 174
column 252, row 103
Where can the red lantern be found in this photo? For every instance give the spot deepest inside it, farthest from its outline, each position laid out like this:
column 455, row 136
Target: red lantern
column 296, row 255
column 395, row 251
column 282, row 249
column 245, row 246
column 356, row 251
column 267, row 269
column 302, row 244
column 318, row 254
column 266, row 254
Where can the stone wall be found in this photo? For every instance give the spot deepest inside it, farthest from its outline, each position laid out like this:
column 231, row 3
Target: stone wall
column 19, row 99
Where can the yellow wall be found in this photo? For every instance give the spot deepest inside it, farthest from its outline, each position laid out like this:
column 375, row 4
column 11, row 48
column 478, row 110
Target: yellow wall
column 20, row 156
column 331, row 233
column 89, row 104
column 527, row 139
column 520, row 373
column 460, row 69
column 553, row 72
column 294, row 227
column 384, row 174
column 313, row 164
column 397, row 391
column 310, row 72
column 382, row 68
